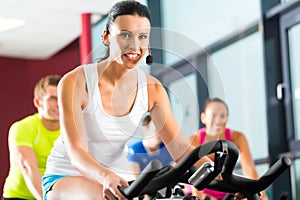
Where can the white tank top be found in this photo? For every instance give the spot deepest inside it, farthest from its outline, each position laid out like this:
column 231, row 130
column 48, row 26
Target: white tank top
column 106, row 135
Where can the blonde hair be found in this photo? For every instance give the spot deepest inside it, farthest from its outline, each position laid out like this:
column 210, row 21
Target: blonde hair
column 43, row 83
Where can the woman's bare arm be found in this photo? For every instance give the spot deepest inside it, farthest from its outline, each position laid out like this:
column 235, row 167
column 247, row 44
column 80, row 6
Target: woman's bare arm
column 72, row 98
column 165, row 122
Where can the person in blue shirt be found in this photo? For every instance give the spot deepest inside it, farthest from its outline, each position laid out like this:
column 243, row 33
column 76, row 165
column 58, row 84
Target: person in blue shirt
column 149, row 148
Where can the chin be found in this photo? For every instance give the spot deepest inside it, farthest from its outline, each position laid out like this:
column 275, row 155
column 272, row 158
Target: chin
column 131, row 64
column 54, row 118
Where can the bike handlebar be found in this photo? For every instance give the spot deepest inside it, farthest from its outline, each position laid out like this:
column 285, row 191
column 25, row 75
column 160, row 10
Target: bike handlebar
column 139, row 184
column 233, row 183
column 152, row 178
column 171, row 176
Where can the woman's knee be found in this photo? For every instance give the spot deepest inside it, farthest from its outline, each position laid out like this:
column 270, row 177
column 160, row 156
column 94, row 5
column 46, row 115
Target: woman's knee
column 52, row 195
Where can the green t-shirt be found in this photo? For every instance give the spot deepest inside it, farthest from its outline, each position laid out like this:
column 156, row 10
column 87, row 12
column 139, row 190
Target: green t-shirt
column 28, row 132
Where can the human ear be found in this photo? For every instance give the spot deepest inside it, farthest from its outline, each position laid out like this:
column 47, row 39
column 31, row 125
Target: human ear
column 36, row 102
column 202, row 118
column 226, row 119
column 105, row 36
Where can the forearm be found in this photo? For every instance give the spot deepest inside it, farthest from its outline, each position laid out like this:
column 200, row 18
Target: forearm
column 26, row 160
column 33, row 180
column 248, row 167
column 180, row 147
column 251, row 172
column 88, row 166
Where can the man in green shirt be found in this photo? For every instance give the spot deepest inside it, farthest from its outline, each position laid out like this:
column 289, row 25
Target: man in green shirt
column 30, row 141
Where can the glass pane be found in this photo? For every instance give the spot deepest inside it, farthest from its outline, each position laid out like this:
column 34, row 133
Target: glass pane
column 294, row 49
column 206, row 21
column 297, row 178
column 241, row 71
column 99, row 49
column 286, row 1
column 184, row 102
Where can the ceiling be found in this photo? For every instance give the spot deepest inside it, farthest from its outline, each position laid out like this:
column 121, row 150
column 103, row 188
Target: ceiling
column 49, row 25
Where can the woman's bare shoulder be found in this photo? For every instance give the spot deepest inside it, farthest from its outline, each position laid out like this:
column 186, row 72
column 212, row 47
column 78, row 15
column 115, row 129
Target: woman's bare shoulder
column 157, row 94
column 238, row 137
column 73, row 84
column 151, row 79
column 154, row 85
column 74, row 76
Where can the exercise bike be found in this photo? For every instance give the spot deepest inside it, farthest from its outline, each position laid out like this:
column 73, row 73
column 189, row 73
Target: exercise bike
column 154, row 178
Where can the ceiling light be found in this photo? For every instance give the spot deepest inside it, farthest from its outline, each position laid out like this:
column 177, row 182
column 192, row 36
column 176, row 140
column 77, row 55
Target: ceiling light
column 7, row 24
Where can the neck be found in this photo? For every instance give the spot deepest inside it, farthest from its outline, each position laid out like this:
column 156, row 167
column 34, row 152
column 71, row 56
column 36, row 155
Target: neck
column 215, row 134
column 112, row 71
column 50, row 124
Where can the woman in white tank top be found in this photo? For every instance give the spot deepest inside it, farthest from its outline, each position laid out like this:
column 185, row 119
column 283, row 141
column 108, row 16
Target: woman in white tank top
column 101, row 106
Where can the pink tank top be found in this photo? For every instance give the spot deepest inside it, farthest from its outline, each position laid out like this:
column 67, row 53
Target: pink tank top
column 216, row 194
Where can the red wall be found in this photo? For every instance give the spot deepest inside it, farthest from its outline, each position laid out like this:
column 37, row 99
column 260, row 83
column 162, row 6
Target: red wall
column 17, row 80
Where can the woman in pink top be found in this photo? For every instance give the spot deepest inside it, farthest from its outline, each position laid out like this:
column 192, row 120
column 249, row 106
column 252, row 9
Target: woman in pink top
column 215, row 117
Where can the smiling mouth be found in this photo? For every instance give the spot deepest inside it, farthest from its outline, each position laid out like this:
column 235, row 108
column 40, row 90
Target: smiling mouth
column 132, row 57
column 218, row 127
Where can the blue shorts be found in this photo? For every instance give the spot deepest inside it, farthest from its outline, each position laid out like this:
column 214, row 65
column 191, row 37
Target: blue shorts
column 48, row 181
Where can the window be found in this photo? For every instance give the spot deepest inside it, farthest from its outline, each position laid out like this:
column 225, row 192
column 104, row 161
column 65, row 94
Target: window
column 240, row 67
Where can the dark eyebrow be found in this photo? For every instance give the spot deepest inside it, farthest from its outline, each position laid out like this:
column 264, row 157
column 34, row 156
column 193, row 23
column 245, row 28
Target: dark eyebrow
column 125, row 31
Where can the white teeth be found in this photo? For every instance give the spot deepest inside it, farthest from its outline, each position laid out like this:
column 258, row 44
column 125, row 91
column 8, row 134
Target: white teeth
column 132, row 55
